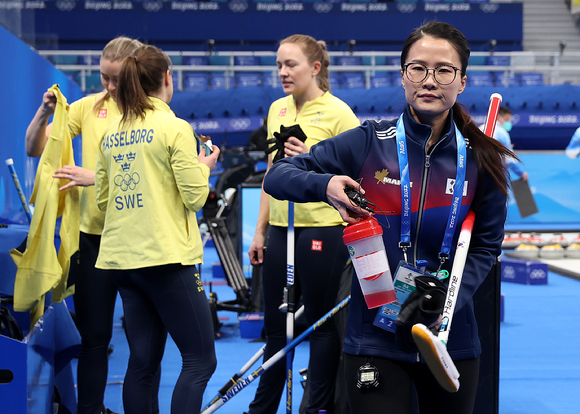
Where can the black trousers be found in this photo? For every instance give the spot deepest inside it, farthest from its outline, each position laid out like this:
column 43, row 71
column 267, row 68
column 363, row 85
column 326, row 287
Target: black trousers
column 94, row 300
column 400, row 382
column 320, row 257
column 158, row 300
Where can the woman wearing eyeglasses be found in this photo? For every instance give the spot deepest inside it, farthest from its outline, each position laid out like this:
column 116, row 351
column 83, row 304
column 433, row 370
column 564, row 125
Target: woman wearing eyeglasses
column 446, row 162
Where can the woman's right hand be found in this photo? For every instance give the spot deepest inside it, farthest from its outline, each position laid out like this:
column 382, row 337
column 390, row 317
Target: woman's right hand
column 256, row 251
column 48, row 103
column 336, row 196
column 211, row 159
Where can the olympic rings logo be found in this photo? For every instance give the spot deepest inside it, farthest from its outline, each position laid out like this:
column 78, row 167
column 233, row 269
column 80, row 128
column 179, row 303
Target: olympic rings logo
column 240, row 123
column 537, row 274
column 65, row 5
column 127, row 181
column 322, row 7
column 238, row 6
column 509, row 272
column 405, row 7
column 152, row 6
column 489, row 7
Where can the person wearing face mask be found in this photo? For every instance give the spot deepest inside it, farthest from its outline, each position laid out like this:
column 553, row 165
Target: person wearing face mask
column 503, row 127
column 95, row 291
column 320, row 255
column 424, row 172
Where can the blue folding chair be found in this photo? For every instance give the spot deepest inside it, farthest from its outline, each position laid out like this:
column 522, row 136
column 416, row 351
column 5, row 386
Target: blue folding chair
column 350, row 80
column 195, row 82
column 247, row 79
column 495, row 60
column 381, row 80
column 531, row 79
column 500, row 79
column 479, row 79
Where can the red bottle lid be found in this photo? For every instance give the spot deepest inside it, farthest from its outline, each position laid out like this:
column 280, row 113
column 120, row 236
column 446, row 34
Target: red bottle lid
column 361, row 230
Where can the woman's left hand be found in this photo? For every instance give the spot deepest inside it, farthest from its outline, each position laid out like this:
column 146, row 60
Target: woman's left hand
column 293, row 146
column 78, row 176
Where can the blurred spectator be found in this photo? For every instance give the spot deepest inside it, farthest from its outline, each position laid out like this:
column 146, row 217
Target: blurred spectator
column 502, row 129
column 258, row 138
column 573, row 148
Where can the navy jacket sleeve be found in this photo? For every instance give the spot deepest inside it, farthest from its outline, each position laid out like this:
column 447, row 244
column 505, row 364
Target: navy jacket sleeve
column 486, row 239
column 304, row 178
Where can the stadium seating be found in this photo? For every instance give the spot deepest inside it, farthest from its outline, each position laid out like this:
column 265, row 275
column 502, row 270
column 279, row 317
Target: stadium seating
column 479, row 79
column 219, row 80
column 195, row 81
column 333, row 81
column 495, row 60
column 90, row 60
column 530, row 79
column 350, row 80
column 247, row 79
column 500, row 79
column 93, row 82
column 381, row 80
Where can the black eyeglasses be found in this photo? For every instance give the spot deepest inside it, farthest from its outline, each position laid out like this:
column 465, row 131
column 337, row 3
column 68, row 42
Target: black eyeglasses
column 418, row 72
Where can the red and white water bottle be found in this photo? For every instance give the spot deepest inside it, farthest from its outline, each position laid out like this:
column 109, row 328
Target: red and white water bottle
column 367, row 251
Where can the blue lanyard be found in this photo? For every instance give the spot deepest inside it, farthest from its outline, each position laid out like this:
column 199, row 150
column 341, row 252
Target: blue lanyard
column 405, row 242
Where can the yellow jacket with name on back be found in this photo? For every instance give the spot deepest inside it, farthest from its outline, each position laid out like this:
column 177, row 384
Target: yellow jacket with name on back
column 151, row 183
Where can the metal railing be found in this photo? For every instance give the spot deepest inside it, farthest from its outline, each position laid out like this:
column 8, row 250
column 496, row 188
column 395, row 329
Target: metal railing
column 555, row 67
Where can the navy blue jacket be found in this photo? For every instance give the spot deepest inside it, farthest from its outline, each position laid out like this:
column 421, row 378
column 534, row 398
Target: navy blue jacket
column 370, row 152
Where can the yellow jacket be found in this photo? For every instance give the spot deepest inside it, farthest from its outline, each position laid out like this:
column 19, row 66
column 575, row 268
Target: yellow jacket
column 40, row 270
column 320, row 119
column 91, row 123
column 151, row 183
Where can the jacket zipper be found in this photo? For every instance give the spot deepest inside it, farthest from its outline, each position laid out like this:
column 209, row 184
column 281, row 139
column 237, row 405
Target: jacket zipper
column 423, row 193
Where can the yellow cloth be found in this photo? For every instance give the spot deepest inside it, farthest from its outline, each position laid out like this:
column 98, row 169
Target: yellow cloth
column 92, row 123
column 320, row 119
column 151, row 183
column 39, row 268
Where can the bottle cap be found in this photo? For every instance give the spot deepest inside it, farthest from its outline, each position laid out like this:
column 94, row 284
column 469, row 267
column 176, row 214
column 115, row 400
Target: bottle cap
column 361, row 230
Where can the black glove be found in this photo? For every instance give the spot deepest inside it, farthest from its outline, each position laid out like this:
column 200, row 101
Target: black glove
column 424, row 306
column 281, row 137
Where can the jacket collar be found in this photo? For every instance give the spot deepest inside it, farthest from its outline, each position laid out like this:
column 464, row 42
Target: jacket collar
column 420, row 133
column 159, row 104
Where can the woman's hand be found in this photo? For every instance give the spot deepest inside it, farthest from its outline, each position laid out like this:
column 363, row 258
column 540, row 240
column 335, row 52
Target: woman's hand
column 256, row 251
column 293, row 146
column 78, row 176
column 349, row 212
column 48, row 103
column 211, row 159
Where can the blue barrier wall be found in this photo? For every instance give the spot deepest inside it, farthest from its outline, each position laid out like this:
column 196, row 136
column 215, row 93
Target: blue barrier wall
column 26, row 77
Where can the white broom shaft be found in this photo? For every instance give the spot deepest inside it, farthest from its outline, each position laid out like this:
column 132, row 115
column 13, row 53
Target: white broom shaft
column 465, row 235
column 456, row 274
column 290, row 306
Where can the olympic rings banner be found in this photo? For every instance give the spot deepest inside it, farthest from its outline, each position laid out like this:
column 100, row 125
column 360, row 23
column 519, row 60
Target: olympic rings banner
column 243, row 6
column 248, row 20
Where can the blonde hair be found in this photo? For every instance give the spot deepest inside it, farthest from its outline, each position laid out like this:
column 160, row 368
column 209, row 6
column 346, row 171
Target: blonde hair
column 315, row 51
column 117, row 49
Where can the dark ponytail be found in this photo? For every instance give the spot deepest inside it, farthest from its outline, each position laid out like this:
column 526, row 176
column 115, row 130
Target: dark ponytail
column 490, row 154
column 141, row 75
